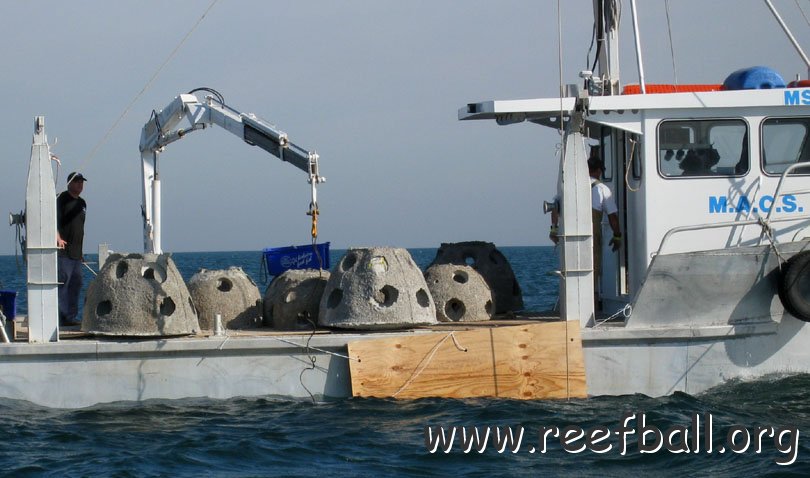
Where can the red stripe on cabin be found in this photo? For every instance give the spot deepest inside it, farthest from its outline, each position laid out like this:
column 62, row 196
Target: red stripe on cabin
column 658, row 88
column 799, row 84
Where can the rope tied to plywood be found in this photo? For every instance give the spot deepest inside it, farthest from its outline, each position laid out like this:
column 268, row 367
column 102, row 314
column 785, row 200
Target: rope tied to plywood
column 426, row 361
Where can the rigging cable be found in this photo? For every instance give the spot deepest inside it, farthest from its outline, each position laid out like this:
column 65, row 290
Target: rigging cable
column 671, row 44
column 559, row 66
column 802, row 10
column 103, row 140
column 559, row 60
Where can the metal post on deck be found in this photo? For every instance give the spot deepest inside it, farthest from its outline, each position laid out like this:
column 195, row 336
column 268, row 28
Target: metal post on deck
column 41, row 250
column 576, row 230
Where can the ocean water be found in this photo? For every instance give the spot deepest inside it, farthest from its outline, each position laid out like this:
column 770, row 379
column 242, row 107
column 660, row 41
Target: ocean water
column 248, row 437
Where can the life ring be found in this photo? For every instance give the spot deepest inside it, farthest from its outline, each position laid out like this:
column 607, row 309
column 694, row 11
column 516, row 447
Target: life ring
column 794, row 286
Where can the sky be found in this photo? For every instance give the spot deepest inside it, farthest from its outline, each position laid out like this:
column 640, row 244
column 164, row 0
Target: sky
column 374, row 86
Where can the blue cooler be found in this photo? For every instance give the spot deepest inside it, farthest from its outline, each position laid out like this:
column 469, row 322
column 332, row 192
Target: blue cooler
column 280, row 259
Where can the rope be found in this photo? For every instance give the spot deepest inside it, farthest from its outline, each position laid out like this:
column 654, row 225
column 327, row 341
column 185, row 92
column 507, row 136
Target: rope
column 425, row 362
column 89, row 268
column 630, row 167
column 768, row 232
column 307, row 346
column 103, row 140
column 626, row 311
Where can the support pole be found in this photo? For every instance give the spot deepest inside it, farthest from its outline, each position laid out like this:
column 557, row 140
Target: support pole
column 41, row 251
column 576, row 230
column 156, row 216
column 637, row 37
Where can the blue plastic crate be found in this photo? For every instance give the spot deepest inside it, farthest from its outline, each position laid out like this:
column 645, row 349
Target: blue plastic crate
column 280, row 259
column 8, row 303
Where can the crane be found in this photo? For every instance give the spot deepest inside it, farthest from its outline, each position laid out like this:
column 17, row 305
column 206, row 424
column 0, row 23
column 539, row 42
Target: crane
column 163, row 128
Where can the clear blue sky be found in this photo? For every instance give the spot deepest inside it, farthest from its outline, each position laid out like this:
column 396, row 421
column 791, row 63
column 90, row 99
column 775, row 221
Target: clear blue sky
column 373, row 86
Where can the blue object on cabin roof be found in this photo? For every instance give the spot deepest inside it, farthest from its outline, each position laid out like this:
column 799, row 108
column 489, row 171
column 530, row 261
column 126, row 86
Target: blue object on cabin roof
column 754, row 78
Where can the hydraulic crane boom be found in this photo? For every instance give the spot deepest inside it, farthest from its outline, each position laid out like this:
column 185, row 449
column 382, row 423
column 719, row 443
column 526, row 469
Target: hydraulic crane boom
column 162, row 129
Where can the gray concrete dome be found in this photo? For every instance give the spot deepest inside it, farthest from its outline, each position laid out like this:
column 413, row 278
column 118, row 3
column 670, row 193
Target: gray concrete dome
column 493, row 266
column 376, row 288
column 139, row 295
column 293, row 298
column 460, row 293
column 228, row 292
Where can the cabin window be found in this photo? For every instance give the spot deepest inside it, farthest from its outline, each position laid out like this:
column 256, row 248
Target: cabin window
column 785, row 142
column 703, row 148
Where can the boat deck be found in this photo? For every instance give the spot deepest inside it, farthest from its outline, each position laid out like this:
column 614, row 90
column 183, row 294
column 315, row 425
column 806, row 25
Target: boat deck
column 19, row 331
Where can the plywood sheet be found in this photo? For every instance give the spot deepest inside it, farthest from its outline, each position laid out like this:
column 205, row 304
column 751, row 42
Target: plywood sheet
column 534, row 361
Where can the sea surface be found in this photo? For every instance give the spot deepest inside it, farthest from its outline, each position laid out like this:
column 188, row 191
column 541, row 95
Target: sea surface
column 267, row 436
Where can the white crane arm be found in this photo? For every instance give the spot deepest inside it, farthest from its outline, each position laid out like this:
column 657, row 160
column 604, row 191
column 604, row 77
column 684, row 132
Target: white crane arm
column 164, row 127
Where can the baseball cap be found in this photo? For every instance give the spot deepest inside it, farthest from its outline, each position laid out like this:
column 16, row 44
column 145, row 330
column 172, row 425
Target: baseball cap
column 595, row 163
column 75, row 175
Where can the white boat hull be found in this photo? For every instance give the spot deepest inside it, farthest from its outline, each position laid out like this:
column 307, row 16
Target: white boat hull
column 81, row 373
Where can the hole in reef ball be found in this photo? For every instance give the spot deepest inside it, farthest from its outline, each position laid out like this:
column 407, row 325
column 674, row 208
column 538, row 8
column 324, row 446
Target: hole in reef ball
column 167, row 306
column 461, row 277
column 148, row 273
column 289, row 297
column 387, row 296
column 224, row 285
column 334, row 298
column 488, row 307
column 348, row 261
column 121, row 269
column 103, row 308
column 454, row 309
column 422, row 298
column 469, row 259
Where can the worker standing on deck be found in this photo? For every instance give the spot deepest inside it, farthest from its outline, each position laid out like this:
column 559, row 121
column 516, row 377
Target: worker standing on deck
column 70, row 214
column 602, row 203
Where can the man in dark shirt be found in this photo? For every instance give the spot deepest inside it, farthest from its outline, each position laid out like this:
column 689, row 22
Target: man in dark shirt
column 70, row 214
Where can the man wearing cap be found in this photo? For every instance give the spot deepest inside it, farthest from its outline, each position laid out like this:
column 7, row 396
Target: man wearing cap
column 70, row 214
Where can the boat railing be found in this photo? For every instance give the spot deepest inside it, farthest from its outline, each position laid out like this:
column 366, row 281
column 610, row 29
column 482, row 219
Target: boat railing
column 782, row 178
column 765, row 223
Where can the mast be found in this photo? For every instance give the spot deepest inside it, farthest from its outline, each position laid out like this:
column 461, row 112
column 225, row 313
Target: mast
column 606, row 14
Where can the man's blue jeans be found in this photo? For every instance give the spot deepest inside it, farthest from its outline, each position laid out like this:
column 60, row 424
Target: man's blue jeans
column 70, row 285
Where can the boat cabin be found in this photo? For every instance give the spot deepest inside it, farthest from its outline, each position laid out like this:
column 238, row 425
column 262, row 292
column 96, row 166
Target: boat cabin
column 690, row 170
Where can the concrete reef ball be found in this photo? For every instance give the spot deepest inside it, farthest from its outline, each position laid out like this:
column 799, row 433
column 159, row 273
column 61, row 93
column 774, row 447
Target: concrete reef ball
column 292, row 299
column 228, row 292
column 376, row 288
column 140, row 295
column 460, row 293
column 493, row 267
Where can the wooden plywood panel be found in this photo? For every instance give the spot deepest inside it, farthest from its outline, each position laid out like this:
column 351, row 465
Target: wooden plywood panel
column 534, row 361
